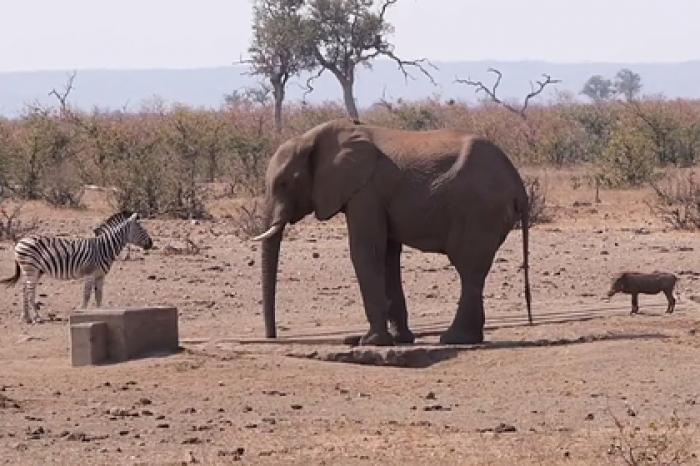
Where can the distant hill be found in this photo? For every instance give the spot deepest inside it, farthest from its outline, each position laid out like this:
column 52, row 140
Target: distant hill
column 205, row 87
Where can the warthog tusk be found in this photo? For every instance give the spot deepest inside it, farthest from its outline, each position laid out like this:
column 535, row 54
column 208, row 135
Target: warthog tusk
column 272, row 231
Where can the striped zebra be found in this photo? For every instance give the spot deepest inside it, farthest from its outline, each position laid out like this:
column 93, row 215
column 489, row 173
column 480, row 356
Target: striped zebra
column 66, row 259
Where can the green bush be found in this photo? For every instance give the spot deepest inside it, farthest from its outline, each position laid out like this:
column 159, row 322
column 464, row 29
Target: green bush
column 629, row 159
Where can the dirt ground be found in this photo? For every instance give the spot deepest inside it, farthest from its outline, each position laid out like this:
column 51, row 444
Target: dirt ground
column 588, row 384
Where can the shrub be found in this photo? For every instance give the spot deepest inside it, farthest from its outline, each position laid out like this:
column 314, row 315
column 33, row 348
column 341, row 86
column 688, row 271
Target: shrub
column 41, row 159
column 677, row 201
column 658, row 443
column 12, row 227
column 628, row 159
column 249, row 220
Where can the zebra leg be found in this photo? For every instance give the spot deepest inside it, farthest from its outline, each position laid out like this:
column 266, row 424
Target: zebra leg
column 87, row 290
column 25, row 302
column 99, row 282
column 29, row 295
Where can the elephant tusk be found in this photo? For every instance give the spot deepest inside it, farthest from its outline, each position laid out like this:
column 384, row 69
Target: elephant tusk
column 272, row 231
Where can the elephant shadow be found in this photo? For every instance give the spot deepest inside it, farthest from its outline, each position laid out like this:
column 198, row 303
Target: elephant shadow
column 425, row 355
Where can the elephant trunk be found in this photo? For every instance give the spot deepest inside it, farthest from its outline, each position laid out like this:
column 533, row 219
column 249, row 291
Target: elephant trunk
column 270, row 261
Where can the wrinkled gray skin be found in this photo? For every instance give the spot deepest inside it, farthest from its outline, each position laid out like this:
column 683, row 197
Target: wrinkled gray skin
column 436, row 191
column 636, row 283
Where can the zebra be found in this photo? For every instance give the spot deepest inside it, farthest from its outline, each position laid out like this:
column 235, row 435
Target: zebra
column 66, row 259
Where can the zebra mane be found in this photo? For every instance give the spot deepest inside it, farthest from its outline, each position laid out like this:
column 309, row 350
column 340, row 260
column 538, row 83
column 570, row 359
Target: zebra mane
column 112, row 221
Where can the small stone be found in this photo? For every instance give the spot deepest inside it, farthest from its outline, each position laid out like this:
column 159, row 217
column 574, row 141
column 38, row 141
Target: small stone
column 296, row 406
column 145, row 401
column 163, row 425
column 251, row 262
column 502, row 428
column 315, row 255
column 430, row 396
column 590, row 417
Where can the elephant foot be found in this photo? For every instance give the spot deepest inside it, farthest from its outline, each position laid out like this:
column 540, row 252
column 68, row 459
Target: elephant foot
column 403, row 336
column 377, row 339
column 459, row 337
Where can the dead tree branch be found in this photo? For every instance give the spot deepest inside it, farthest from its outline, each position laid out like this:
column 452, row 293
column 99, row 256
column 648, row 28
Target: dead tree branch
column 62, row 96
column 491, row 92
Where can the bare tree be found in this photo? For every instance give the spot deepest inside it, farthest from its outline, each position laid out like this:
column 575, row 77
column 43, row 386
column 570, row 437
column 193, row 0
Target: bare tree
column 535, row 90
column 348, row 33
column 62, row 96
column 281, row 46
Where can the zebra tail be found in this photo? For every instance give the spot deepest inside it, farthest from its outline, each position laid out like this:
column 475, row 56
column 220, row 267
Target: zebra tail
column 13, row 279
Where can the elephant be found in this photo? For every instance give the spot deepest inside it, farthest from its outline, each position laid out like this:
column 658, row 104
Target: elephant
column 440, row 191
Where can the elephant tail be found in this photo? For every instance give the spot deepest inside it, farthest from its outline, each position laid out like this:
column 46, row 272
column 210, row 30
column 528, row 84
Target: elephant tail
column 525, row 225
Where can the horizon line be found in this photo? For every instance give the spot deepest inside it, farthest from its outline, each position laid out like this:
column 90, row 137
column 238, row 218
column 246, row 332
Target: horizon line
column 240, row 65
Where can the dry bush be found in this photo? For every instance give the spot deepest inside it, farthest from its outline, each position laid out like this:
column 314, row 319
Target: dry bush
column 655, row 444
column 12, row 227
column 191, row 248
column 677, row 200
column 249, row 220
column 537, row 196
column 159, row 159
column 41, row 163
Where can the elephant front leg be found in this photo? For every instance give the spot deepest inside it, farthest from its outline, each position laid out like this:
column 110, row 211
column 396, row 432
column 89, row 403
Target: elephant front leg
column 368, row 241
column 398, row 315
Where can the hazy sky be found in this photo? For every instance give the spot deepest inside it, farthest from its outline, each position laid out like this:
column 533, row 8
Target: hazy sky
column 79, row 34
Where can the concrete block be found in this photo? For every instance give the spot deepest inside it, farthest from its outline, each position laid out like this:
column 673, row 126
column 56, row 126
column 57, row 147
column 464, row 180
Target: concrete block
column 88, row 343
column 135, row 332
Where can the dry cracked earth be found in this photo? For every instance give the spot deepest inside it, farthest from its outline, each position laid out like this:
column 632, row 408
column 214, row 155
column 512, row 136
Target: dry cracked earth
column 587, row 384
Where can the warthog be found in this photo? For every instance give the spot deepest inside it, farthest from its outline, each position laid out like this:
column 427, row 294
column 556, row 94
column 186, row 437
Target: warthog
column 635, row 283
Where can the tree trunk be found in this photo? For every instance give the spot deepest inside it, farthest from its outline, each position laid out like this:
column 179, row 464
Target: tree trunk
column 269, row 262
column 349, row 98
column 278, row 92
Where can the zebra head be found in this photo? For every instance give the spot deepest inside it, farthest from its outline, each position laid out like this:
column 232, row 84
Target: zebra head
column 137, row 234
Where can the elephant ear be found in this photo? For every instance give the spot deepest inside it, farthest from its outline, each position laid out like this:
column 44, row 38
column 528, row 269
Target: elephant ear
column 341, row 172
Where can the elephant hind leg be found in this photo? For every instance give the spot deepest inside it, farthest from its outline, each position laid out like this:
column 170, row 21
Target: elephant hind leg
column 473, row 261
column 398, row 315
column 468, row 324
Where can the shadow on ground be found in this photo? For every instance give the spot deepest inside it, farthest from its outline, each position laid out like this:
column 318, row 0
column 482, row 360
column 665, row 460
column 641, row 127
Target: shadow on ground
column 427, row 355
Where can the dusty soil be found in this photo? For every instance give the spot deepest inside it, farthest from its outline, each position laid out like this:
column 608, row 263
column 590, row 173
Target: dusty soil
column 564, row 391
